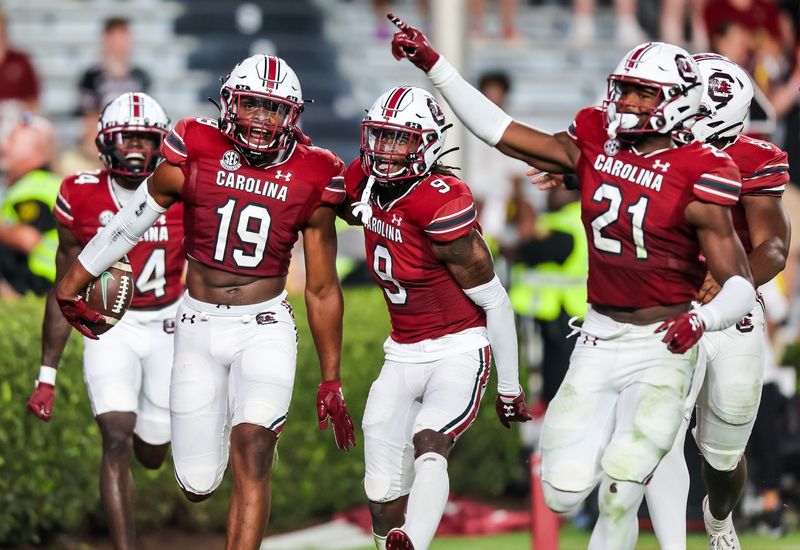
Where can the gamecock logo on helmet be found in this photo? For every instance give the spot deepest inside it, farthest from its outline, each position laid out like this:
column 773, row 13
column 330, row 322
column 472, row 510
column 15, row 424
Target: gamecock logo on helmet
column 720, row 87
column 436, row 111
column 685, row 68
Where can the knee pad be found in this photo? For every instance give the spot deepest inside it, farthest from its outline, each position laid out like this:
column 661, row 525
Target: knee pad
column 560, row 501
column 189, row 392
column 378, row 488
column 198, row 482
column 734, row 397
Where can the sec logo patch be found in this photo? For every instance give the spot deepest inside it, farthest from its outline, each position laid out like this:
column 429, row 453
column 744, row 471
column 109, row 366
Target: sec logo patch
column 230, row 160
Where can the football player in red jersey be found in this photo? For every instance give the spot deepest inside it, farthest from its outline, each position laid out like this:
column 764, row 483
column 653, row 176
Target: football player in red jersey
column 730, row 393
column 449, row 315
column 649, row 208
column 127, row 372
column 247, row 187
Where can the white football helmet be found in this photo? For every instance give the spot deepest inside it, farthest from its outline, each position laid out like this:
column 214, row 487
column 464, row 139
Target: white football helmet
column 668, row 69
column 727, row 93
column 403, row 134
column 261, row 102
column 131, row 115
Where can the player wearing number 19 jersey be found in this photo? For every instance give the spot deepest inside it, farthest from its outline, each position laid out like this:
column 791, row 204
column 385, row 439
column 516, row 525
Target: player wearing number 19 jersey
column 446, row 307
column 127, row 372
column 248, row 187
column 648, row 210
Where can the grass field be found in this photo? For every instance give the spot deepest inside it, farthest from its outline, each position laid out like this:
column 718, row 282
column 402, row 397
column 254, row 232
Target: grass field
column 572, row 539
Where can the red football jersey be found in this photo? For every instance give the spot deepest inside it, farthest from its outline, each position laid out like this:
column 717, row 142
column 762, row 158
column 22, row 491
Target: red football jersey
column 423, row 298
column 764, row 169
column 642, row 251
column 87, row 201
column 243, row 219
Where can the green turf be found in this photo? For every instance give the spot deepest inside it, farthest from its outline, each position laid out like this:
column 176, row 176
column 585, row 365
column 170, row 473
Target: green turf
column 572, row 539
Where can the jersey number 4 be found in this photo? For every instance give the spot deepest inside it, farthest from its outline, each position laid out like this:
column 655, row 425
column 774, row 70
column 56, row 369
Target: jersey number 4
column 252, row 229
column 637, row 211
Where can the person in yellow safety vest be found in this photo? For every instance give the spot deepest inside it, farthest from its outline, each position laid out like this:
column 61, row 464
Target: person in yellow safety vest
column 28, row 235
column 548, row 282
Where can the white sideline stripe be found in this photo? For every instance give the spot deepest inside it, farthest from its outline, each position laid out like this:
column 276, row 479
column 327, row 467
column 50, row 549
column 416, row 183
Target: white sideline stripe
column 334, row 535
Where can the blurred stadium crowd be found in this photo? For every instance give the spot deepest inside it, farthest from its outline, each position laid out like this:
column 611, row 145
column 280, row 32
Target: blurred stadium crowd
column 541, row 58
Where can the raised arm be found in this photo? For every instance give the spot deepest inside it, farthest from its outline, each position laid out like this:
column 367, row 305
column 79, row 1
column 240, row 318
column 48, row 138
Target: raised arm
column 149, row 202
column 325, row 307
column 55, row 330
column 552, row 153
column 469, row 261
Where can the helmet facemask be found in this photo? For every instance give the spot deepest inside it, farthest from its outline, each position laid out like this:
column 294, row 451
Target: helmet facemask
column 395, row 153
column 125, row 150
column 259, row 122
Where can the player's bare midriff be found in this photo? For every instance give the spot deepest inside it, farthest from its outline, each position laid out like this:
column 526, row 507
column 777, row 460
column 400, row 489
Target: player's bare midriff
column 215, row 286
column 642, row 316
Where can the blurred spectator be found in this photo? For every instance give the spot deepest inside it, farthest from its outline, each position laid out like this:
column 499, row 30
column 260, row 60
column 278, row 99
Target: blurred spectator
column 761, row 18
column 733, row 41
column 548, row 281
column 492, row 175
column 101, row 83
column 508, row 14
column 673, row 22
column 18, row 80
column 628, row 31
column 28, row 236
column 115, row 74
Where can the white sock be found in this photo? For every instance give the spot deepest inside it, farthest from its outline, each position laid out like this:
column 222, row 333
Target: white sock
column 617, row 527
column 380, row 542
column 667, row 494
column 427, row 499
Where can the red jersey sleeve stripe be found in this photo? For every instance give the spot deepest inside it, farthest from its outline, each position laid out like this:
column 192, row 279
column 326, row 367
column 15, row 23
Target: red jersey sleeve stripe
column 720, row 184
column 175, row 143
column 572, row 131
column 452, row 224
column 715, row 194
column 769, row 192
column 336, row 184
column 64, row 207
column 767, row 170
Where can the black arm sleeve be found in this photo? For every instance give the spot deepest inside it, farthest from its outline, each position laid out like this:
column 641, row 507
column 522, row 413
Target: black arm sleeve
column 556, row 247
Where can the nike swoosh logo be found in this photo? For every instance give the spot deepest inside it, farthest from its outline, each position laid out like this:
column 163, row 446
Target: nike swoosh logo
column 103, row 279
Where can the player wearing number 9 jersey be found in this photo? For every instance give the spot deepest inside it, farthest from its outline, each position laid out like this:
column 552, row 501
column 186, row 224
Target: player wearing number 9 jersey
column 248, row 187
column 447, row 309
column 127, row 372
column 649, row 208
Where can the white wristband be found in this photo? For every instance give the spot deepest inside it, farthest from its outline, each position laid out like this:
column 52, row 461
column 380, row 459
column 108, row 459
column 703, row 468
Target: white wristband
column 735, row 300
column 47, row 375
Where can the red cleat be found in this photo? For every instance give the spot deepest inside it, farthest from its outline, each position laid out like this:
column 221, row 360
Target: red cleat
column 398, row 540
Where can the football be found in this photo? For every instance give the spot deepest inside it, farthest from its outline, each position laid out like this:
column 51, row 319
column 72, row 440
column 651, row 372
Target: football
column 110, row 294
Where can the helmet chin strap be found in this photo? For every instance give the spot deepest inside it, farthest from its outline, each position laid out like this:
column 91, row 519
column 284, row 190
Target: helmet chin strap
column 362, row 209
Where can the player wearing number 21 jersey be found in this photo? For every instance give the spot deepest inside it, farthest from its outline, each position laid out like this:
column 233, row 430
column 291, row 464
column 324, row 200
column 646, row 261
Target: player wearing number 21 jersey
column 446, row 306
column 648, row 208
column 248, row 188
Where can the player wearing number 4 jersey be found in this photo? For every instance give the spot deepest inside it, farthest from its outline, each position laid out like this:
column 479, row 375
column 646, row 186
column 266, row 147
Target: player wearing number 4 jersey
column 447, row 309
column 127, row 372
column 247, row 187
column 649, row 209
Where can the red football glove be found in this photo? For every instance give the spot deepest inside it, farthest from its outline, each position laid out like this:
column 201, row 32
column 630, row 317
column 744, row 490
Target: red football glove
column 80, row 316
column 300, row 137
column 410, row 43
column 683, row 331
column 330, row 403
column 512, row 409
column 41, row 401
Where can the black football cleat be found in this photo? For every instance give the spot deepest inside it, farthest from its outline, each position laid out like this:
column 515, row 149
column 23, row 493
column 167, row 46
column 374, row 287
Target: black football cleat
column 398, row 540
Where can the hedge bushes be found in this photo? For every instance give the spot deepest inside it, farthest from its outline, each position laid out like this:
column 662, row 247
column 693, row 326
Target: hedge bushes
column 49, row 471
